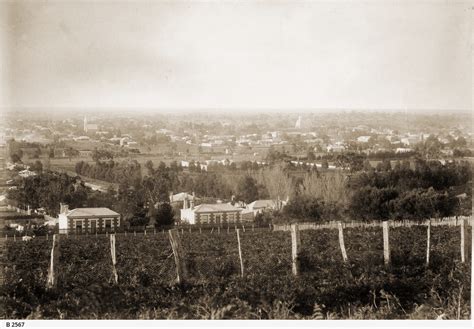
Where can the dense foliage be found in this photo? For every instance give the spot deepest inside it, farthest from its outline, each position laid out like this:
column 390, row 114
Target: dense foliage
column 327, row 288
column 48, row 190
column 430, row 189
column 410, row 190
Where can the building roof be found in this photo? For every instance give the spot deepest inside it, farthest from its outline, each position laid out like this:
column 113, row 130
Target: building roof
column 182, row 196
column 262, row 204
column 92, row 212
column 215, row 207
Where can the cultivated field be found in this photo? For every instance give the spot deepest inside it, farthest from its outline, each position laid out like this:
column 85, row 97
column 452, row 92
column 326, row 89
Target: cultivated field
column 326, row 287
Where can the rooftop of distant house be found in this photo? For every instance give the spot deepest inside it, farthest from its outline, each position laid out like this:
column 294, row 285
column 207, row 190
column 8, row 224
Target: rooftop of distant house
column 218, row 207
column 262, row 204
column 91, row 212
column 183, row 196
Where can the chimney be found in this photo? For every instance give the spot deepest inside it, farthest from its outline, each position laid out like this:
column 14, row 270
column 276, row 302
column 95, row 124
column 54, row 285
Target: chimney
column 191, row 203
column 63, row 208
column 185, row 201
column 171, row 197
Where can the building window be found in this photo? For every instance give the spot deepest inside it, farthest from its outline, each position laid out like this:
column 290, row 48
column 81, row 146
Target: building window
column 218, row 218
column 78, row 224
column 108, row 224
column 204, row 219
column 93, row 225
column 231, row 217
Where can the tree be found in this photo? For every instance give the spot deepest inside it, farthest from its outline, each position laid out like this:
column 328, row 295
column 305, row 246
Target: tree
column 277, row 181
column 98, row 155
column 372, row 203
column 460, row 142
column 356, row 162
column 263, row 219
column 163, row 215
column 304, row 208
column 327, row 186
column 139, row 217
column 247, row 189
column 367, row 166
column 342, row 161
column 16, row 158
column 174, row 166
column 70, row 152
column 310, row 156
column 431, row 147
column 386, row 166
column 149, row 167
column 37, row 166
column 325, row 164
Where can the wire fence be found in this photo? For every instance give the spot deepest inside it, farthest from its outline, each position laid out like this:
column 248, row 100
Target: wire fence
column 195, row 229
column 447, row 221
column 245, row 227
column 214, row 254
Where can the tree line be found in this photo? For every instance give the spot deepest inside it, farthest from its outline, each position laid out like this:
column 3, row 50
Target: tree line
column 410, row 190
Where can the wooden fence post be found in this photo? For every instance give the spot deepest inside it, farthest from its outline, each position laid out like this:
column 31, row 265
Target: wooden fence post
column 472, row 270
column 240, row 255
column 144, row 232
column 134, row 233
column 218, row 229
column 463, row 240
column 212, row 230
column 200, row 231
column 253, row 227
column 295, row 242
column 428, row 238
column 178, row 253
column 52, row 280
column 341, row 242
column 228, row 230
column 114, row 258
column 243, row 228
column 386, row 243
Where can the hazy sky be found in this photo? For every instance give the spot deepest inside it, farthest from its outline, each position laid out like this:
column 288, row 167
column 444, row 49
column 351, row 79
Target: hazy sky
column 206, row 55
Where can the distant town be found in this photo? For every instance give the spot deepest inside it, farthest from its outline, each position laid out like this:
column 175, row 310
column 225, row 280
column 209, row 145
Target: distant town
column 162, row 158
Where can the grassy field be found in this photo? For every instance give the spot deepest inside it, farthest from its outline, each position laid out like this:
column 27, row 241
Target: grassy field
column 326, row 288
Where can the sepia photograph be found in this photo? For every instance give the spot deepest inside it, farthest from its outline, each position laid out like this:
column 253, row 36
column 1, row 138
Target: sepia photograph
column 236, row 160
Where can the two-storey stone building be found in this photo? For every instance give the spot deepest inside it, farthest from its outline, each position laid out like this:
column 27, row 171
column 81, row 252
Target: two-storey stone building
column 218, row 213
column 91, row 220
